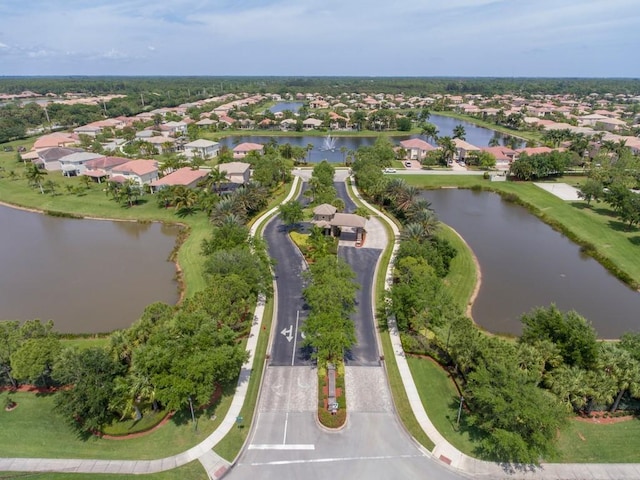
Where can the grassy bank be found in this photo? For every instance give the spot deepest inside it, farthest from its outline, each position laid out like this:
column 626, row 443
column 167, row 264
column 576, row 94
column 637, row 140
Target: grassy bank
column 595, row 228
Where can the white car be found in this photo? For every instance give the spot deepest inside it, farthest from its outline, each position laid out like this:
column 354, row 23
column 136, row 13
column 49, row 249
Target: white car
column 389, row 170
column 408, row 164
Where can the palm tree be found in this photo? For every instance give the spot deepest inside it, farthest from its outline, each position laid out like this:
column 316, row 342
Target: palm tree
column 35, row 175
column 217, row 178
column 308, row 149
column 428, row 219
column 224, row 208
column 459, row 132
column 414, row 232
column 429, row 131
column 448, row 148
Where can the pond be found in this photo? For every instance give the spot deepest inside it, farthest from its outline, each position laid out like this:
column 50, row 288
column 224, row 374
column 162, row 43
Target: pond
column 526, row 264
column 88, row 276
column 333, row 147
column 282, row 106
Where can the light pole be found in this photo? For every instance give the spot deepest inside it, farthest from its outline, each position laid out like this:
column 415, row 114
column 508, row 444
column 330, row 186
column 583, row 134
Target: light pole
column 193, row 417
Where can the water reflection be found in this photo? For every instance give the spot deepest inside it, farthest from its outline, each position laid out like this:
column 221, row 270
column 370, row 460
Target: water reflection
column 86, row 275
column 525, row 264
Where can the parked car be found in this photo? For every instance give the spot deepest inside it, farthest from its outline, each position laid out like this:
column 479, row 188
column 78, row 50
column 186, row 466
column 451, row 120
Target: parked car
column 408, row 164
column 389, row 170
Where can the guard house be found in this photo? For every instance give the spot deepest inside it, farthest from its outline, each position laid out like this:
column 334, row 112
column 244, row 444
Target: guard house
column 344, row 225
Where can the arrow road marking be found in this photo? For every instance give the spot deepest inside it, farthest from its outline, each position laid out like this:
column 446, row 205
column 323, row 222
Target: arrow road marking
column 288, row 333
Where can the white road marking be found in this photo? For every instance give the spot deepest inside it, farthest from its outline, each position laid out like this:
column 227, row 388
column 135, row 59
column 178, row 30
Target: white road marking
column 295, row 338
column 286, row 421
column 277, row 446
column 318, row 460
column 287, row 334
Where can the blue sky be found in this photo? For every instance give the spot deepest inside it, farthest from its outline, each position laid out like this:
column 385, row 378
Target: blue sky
column 513, row 38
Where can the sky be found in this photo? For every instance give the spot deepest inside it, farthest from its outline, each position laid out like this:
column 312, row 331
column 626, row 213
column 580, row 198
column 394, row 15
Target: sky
column 502, row 38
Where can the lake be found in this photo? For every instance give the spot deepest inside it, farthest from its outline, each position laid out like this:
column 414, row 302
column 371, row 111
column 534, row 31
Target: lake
column 332, row 147
column 525, row 264
column 88, row 276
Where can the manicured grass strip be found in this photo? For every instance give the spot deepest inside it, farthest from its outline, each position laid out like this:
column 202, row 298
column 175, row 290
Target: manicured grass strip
column 190, row 471
column 583, row 442
column 44, row 433
column 462, row 277
column 400, row 399
column 229, row 447
column 440, row 399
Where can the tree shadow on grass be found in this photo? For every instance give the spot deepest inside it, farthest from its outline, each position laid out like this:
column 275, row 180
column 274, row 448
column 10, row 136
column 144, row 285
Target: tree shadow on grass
column 619, row 226
column 635, row 240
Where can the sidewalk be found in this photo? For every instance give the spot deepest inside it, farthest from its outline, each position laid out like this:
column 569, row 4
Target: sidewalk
column 450, row 455
column 214, row 465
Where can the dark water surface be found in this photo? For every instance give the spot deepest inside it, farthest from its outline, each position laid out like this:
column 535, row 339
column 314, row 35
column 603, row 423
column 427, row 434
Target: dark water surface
column 475, row 135
column 87, row 276
column 525, row 264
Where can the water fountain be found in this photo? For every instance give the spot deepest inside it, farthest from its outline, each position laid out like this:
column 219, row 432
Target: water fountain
column 329, row 144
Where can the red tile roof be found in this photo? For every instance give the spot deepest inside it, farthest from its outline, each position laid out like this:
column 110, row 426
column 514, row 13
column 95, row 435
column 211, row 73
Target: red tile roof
column 182, row 176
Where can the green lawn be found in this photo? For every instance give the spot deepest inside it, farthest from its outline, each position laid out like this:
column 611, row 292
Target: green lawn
column 190, row 471
column 583, row 442
column 440, row 399
column 462, row 277
column 43, row 433
column 85, row 342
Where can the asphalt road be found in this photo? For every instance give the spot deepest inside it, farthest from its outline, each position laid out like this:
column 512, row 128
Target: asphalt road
column 363, row 262
column 290, row 265
column 286, row 442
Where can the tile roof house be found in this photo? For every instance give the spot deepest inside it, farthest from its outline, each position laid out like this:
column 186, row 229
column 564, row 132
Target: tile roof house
column 184, row 176
column 311, row 123
column 416, row 148
column 140, row 171
column 49, row 158
column 503, row 155
column 102, row 167
column 74, row 164
column 57, row 139
column 202, row 148
column 237, row 172
column 463, row 149
column 241, row 150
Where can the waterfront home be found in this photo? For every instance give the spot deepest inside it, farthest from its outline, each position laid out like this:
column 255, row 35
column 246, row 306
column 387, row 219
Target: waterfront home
column 143, row 172
column 49, row 158
column 100, row 168
column 185, row 176
column 311, row 123
column 202, row 148
column 75, row 163
column 504, row 156
column 416, row 148
column 243, row 149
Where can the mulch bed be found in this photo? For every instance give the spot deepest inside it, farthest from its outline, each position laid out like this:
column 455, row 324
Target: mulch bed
column 600, row 419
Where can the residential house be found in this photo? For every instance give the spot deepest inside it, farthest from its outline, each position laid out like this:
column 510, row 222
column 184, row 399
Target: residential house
column 463, row 149
column 173, row 129
column 185, row 176
column 202, row 148
column 162, row 144
column 243, row 149
column 311, row 123
column 416, row 148
column 327, row 217
column 49, row 159
column 288, row 124
column 504, row 156
column 75, row 163
column 237, row 172
column 58, row 139
column 142, row 172
column 90, row 130
column 100, row 168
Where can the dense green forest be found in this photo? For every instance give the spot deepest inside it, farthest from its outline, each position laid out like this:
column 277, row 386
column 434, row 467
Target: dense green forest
column 178, row 87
